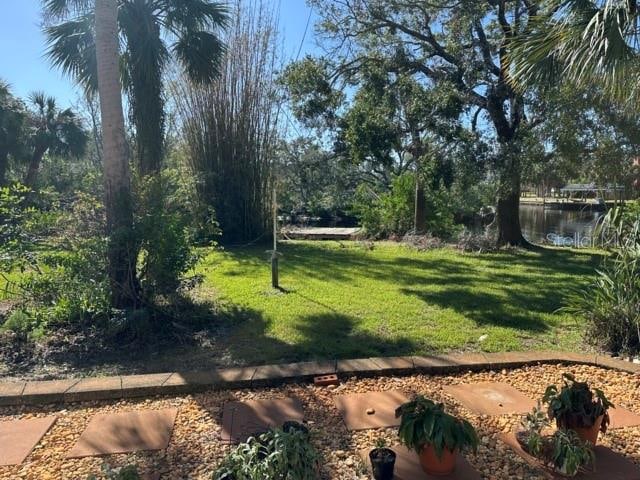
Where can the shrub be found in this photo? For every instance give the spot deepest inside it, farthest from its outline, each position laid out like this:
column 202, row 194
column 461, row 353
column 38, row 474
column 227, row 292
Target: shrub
column 391, row 213
column 611, row 304
column 165, row 240
column 276, row 455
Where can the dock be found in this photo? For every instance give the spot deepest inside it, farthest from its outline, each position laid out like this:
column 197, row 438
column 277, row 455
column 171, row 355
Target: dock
column 320, row 233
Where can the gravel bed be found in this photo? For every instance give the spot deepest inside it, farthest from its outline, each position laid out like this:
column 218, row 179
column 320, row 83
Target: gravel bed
column 195, row 451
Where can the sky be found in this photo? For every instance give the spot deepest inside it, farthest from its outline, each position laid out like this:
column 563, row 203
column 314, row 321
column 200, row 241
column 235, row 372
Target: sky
column 22, row 46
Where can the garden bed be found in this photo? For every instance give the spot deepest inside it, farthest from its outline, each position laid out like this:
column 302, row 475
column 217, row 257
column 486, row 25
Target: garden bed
column 195, row 450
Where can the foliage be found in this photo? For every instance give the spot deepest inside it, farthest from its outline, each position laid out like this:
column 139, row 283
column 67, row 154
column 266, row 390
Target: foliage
column 575, row 405
column 387, row 213
column 611, row 304
column 583, row 42
column 570, row 454
column 276, row 454
column 533, row 424
column 16, row 242
column 63, row 282
column 312, row 180
column 129, row 472
column 54, row 131
column 230, row 126
column 13, row 118
column 424, row 422
column 563, row 450
column 165, row 236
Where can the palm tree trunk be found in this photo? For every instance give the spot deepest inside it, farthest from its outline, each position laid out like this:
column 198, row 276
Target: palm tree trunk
column 122, row 250
column 34, row 166
column 4, row 160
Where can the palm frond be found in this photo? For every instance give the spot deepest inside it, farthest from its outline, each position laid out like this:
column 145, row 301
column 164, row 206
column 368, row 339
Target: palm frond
column 200, row 54
column 182, row 15
column 61, row 9
column 71, row 47
column 580, row 42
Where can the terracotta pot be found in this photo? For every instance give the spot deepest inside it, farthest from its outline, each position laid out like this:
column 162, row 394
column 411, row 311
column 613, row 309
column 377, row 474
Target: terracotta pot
column 589, row 434
column 431, row 464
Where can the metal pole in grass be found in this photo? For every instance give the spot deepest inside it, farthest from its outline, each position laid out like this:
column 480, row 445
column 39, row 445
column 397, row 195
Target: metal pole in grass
column 274, row 252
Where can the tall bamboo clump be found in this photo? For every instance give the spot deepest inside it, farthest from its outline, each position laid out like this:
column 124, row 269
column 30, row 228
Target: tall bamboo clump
column 231, row 125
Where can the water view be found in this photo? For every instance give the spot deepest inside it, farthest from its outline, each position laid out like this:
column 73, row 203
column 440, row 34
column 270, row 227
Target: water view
column 558, row 227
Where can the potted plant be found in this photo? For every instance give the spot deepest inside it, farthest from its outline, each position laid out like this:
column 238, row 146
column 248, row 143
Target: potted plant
column 562, row 450
column 576, row 407
column 435, row 435
column 383, row 461
column 569, row 453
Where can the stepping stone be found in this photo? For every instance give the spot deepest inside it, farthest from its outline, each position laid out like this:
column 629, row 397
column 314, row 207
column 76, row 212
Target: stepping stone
column 125, row 432
column 240, row 420
column 609, row 464
column 622, row 418
column 408, row 466
column 362, row 411
column 18, row 438
column 491, row 398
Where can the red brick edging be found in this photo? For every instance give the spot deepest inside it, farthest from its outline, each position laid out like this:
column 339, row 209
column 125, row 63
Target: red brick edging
column 129, row 386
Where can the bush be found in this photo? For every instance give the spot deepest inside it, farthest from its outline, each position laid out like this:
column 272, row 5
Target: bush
column 391, row 213
column 276, row 455
column 165, row 237
column 611, row 304
column 388, row 213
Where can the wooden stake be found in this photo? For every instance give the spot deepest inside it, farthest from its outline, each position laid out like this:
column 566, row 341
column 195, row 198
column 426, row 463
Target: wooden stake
column 274, row 254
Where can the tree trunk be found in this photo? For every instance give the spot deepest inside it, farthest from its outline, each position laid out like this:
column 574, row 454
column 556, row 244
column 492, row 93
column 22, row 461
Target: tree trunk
column 123, row 248
column 420, row 212
column 4, row 160
column 34, row 166
column 508, row 203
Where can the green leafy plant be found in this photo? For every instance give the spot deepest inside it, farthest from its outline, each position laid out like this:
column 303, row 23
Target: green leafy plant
column 380, row 442
column 574, row 405
column 568, row 453
column 276, row 455
column 563, row 450
column 424, row 422
column 129, row 472
column 611, row 304
column 533, row 425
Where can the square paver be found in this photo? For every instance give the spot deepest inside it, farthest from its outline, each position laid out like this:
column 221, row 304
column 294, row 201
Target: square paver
column 609, row 464
column 408, row 466
column 19, row 437
column 362, row 411
column 240, row 420
column 125, row 432
column 622, row 418
column 491, row 398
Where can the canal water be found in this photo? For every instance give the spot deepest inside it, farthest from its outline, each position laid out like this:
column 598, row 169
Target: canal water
column 558, row 227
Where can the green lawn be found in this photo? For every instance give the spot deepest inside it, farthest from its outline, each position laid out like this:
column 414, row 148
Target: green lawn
column 344, row 300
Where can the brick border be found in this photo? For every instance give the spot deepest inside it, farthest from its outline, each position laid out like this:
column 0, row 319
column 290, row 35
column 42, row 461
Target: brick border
column 131, row 386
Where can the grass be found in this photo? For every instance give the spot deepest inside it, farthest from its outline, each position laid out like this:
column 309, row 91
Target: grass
column 347, row 301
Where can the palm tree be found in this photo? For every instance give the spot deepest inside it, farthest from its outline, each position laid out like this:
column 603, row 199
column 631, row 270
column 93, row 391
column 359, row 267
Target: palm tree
column 151, row 32
column 585, row 42
column 12, row 119
column 56, row 131
column 122, row 250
